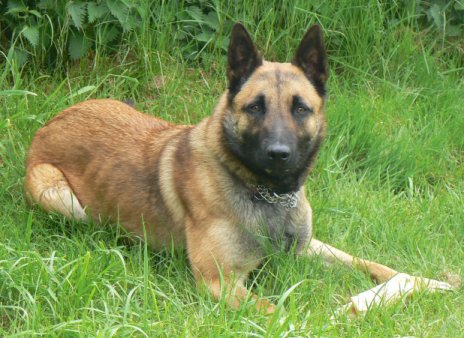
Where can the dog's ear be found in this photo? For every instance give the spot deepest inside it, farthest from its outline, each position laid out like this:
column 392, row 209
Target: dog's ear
column 312, row 58
column 243, row 58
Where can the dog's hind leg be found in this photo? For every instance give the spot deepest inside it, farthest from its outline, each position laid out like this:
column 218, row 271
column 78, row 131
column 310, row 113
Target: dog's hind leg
column 46, row 186
column 380, row 273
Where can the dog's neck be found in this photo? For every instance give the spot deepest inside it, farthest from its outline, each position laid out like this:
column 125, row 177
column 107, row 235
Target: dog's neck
column 263, row 193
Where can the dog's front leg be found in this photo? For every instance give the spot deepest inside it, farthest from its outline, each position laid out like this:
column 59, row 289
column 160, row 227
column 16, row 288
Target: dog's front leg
column 220, row 261
column 380, row 273
column 235, row 293
column 394, row 285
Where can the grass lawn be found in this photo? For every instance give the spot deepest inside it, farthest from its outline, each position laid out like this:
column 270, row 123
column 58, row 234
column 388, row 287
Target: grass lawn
column 388, row 186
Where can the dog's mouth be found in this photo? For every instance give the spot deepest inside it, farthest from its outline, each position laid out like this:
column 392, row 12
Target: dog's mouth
column 286, row 189
column 282, row 182
column 277, row 172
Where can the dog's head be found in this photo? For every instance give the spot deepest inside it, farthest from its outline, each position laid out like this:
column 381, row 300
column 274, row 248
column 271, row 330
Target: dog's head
column 274, row 122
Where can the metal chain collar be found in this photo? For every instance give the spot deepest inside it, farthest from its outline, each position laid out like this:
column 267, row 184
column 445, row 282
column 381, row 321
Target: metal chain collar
column 288, row 200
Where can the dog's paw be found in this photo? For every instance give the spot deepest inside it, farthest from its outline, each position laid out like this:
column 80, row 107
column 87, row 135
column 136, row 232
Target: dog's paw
column 452, row 278
column 400, row 286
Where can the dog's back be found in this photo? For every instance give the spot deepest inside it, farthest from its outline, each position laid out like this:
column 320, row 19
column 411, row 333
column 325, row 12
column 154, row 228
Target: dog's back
column 107, row 166
column 110, row 120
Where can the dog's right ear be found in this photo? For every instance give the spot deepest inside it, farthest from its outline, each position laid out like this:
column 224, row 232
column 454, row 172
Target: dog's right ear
column 243, row 58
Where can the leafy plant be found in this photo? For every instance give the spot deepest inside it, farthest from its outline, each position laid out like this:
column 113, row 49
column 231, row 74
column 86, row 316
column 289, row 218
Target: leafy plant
column 202, row 27
column 446, row 16
column 52, row 30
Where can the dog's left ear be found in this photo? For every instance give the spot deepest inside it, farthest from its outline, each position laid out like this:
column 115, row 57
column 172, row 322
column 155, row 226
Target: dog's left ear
column 243, row 58
column 312, row 58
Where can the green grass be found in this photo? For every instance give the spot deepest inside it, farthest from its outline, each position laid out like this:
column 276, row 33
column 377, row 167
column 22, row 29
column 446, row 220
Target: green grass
column 388, row 186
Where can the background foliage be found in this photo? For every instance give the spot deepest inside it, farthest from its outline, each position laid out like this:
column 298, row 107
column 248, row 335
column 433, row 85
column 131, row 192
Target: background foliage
column 50, row 32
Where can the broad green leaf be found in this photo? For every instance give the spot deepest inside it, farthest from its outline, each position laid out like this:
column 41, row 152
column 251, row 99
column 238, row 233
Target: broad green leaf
column 121, row 12
column 180, row 35
column 211, row 19
column 78, row 45
column 195, row 13
column 223, row 43
column 13, row 4
column 459, row 5
column 205, row 36
column 182, row 16
column 96, row 11
column 435, row 13
column 37, row 14
column 77, row 12
column 112, row 34
column 453, row 30
column 108, row 33
column 18, row 55
column 45, row 4
column 31, row 33
column 15, row 7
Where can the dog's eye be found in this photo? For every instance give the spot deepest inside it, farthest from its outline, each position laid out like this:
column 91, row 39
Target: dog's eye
column 255, row 108
column 301, row 110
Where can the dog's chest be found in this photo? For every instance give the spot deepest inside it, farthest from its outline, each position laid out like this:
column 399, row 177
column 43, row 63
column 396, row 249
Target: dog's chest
column 283, row 226
column 273, row 226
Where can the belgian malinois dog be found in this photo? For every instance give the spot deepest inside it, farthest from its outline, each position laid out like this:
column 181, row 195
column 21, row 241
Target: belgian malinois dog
column 216, row 188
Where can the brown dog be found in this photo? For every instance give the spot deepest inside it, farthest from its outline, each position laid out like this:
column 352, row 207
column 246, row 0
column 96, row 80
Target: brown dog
column 225, row 188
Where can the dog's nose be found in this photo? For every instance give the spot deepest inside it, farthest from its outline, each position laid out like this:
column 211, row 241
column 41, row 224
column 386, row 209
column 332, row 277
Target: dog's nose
column 278, row 152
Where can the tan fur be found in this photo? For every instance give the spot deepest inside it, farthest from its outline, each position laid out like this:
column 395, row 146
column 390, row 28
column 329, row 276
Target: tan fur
column 178, row 184
column 378, row 272
column 49, row 187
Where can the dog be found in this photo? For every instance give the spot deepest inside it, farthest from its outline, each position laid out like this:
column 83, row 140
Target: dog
column 224, row 189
